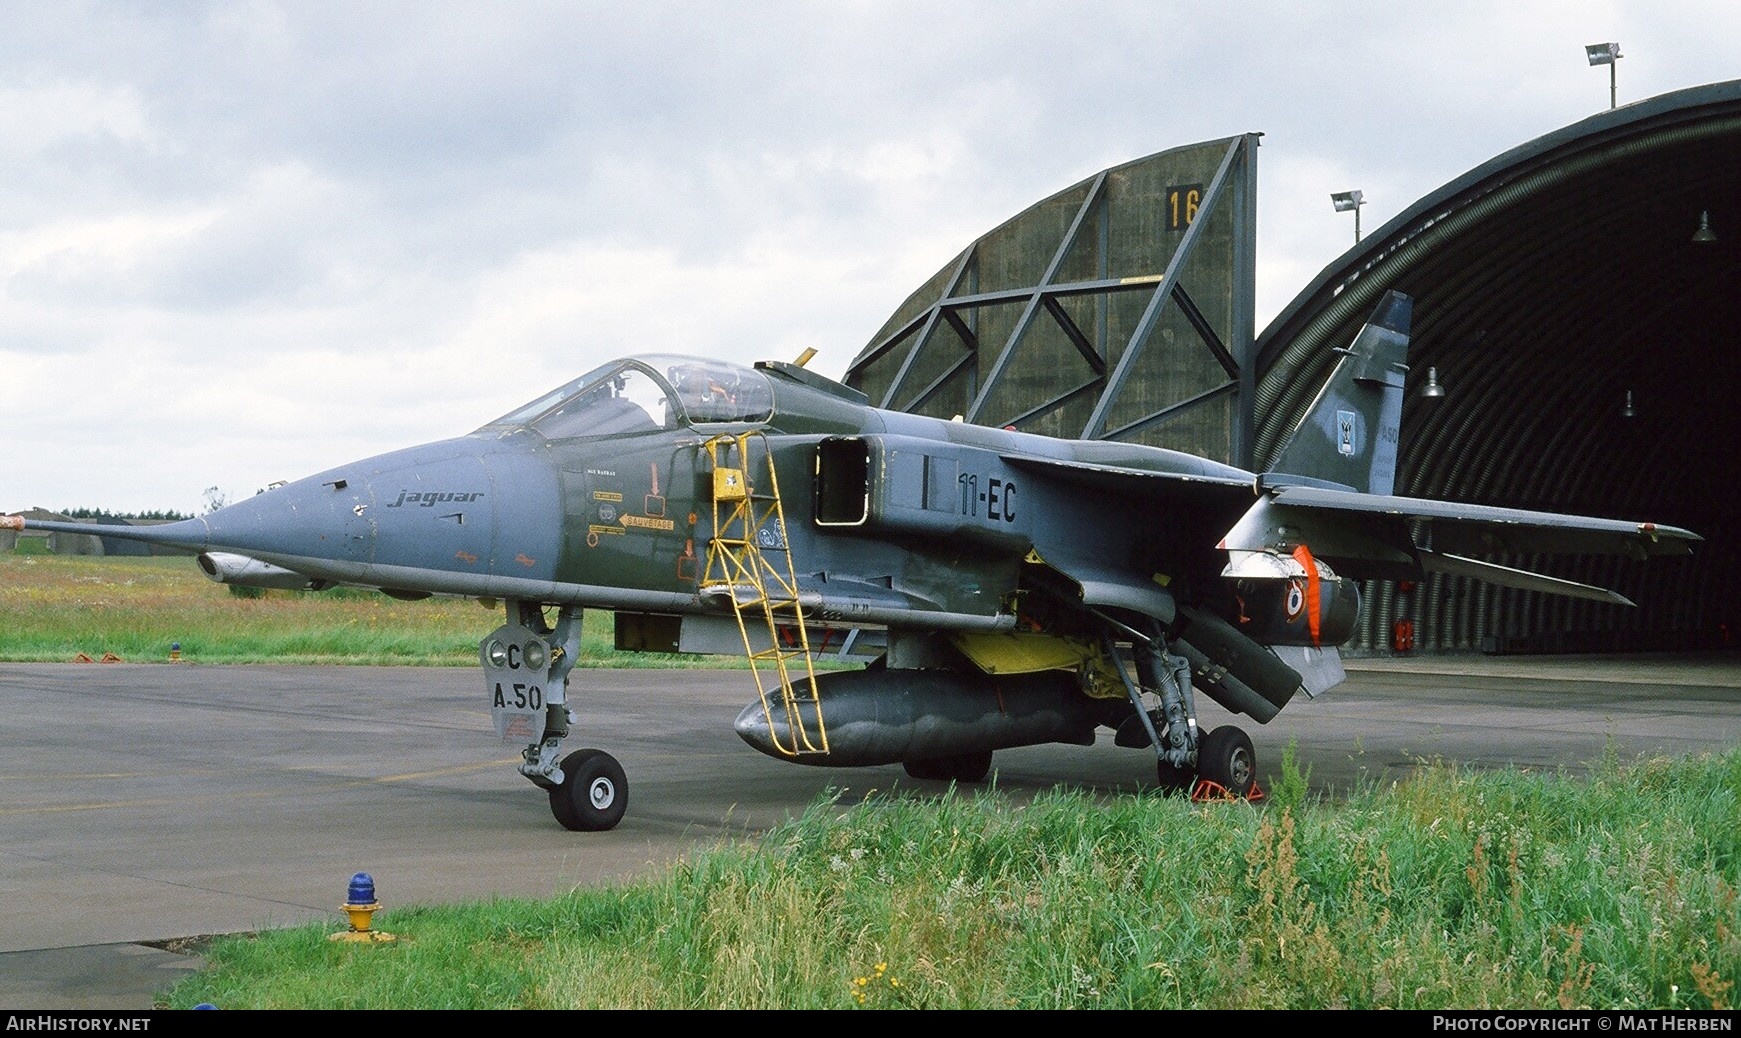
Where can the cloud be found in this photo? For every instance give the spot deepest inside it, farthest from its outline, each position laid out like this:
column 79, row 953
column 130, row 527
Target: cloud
column 247, row 240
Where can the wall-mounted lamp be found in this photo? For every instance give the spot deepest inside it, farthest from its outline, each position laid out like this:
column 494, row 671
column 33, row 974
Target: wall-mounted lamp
column 1704, row 233
column 1605, row 54
column 1628, row 411
column 1346, row 201
column 1432, row 390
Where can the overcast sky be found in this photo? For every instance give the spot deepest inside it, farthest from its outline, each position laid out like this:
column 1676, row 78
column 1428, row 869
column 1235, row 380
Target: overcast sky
column 247, row 241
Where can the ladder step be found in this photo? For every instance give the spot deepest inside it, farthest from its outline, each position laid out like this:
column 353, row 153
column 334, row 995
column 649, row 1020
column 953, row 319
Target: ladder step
column 761, row 590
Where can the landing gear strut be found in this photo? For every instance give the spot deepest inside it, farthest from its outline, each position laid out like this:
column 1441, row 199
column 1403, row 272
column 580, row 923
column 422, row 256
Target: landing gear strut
column 526, row 666
column 1183, row 754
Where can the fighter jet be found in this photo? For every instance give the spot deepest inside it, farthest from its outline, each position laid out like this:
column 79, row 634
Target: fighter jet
column 999, row 588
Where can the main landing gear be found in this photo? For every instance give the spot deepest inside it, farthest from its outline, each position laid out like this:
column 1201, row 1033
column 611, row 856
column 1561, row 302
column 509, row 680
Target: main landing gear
column 1185, row 758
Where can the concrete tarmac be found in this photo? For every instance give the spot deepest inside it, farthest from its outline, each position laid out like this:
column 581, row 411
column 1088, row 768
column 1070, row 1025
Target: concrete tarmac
column 147, row 806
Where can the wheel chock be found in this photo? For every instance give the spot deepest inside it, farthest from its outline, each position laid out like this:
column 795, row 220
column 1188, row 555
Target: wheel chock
column 1210, row 792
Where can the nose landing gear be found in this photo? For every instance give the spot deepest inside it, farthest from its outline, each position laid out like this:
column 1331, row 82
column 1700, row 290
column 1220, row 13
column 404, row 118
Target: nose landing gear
column 526, row 665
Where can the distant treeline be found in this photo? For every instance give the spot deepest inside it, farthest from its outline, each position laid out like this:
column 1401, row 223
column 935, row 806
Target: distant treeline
column 104, row 513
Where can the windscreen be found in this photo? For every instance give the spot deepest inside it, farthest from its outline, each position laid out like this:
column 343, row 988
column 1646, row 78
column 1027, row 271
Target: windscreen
column 524, row 414
column 628, row 397
column 625, row 401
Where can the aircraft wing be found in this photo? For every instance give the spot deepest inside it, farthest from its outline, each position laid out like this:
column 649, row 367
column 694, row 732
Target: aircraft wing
column 1381, row 536
column 1205, row 486
column 1450, row 527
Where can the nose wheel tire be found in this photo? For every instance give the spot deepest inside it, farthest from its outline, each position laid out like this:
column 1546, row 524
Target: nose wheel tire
column 1225, row 756
column 593, row 794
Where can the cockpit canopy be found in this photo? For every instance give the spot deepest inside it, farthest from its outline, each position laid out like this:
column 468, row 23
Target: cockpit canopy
column 647, row 394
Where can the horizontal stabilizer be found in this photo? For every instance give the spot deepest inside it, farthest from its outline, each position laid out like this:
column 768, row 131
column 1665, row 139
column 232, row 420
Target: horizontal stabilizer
column 1523, row 580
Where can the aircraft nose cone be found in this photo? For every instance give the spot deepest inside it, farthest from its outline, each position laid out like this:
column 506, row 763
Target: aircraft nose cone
column 447, row 516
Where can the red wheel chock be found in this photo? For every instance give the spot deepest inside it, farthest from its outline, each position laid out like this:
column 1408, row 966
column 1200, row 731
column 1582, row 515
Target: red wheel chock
column 1207, row 792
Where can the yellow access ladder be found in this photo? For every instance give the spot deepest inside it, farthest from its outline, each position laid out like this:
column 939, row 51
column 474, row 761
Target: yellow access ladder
column 748, row 528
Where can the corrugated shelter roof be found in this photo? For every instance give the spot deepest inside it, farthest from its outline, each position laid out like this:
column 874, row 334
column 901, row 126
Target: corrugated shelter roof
column 1553, row 286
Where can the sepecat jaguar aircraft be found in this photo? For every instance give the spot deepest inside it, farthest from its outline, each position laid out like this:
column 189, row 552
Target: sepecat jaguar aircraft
column 1000, row 588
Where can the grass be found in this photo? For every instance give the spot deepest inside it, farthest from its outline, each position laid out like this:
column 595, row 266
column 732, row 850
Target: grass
column 55, row 607
column 1452, row 890
column 1455, row 890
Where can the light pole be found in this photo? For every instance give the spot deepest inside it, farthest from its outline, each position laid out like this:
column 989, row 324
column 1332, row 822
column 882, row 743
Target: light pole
column 1349, row 200
column 1605, row 54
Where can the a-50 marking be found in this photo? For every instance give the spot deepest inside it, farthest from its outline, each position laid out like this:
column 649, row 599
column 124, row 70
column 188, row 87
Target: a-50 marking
column 523, row 697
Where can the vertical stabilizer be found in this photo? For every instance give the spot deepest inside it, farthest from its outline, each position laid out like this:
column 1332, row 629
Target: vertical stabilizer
column 1349, row 434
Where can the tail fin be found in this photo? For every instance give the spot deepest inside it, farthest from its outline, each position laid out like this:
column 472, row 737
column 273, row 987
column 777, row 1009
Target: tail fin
column 1348, row 437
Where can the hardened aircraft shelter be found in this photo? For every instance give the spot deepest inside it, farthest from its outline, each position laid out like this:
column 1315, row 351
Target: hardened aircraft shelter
column 1577, row 300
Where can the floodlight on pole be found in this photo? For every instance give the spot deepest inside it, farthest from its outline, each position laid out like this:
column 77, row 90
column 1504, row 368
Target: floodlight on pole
column 1606, row 54
column 1344, row 201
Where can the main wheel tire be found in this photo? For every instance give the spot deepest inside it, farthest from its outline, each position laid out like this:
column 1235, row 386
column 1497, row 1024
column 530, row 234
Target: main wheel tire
column 958, row 767
column 1225, row 756
column 594, row 792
